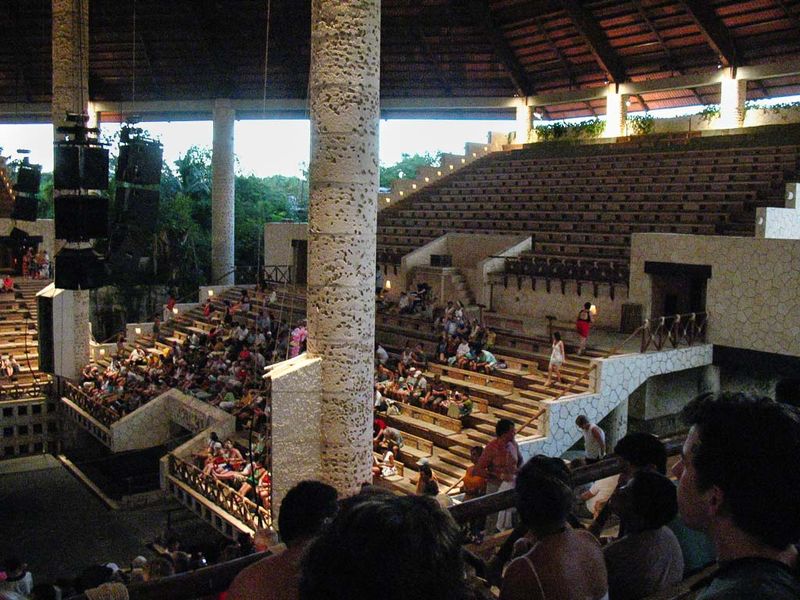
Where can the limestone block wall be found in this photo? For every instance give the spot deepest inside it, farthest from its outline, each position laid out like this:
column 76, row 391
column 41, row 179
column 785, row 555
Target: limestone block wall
column 536, row 304
column 752, row 295
column 150, row 425
column 296, row 421
column 618, row 376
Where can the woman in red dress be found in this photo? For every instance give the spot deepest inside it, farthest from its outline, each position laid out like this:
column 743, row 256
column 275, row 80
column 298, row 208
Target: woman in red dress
column 583, row 324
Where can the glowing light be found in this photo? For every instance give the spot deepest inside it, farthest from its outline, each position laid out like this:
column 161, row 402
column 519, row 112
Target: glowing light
column 210, row 293
column 388, row 200
column 387, row 285
column 175, row 310
column 401, row 193
column 593, row 309
column 451, row 167
column 413, row 186
column 102, row 351
column 138, row 330
column 427, row 179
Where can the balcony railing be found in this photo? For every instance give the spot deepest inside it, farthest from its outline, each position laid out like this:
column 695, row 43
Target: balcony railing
column 677, row 330
column 277, row 273
column 99, row 411
column 220, row 494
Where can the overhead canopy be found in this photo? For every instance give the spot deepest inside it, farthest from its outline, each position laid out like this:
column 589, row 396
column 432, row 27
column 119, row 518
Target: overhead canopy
column 431, row 49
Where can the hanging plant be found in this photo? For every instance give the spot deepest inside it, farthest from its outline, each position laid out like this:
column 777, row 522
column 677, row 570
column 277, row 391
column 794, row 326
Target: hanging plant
column 709, row 112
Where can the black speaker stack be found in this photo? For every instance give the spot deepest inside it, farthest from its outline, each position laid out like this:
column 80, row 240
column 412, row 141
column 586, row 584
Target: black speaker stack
column 80, row 178
column 25, row 190
column 134, row 216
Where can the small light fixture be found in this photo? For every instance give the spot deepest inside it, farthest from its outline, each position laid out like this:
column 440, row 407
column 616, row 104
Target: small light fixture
column 413, row 186
column 439, row 173
column 401, row 192
column 388, row 200
column 138, row 330
column 175, row 310
column 102, row 351
column 593, row 309
column 486, row 148
column 463, row 160
column 427, row 179
column 719, row 66
column 210, row 293
column 451, row 167
column 474, row 155
column 387, row 285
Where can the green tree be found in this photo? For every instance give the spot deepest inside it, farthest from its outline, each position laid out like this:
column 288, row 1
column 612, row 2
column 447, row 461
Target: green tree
column 407, row 167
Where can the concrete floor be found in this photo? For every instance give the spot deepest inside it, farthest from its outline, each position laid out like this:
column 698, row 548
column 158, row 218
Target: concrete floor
column 51, row 521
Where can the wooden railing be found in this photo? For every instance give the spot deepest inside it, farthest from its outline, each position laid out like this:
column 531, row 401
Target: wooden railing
column 277, row 273
column 217, row 578
column 100, row 412
column 220, row 494
column 676, row 330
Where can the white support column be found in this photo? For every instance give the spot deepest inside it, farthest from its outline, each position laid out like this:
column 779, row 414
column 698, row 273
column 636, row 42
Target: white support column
column 222, row 194
column 70, row 19
column 733, row 93
column 616, row 113
column 343, row 189
column 526, row 134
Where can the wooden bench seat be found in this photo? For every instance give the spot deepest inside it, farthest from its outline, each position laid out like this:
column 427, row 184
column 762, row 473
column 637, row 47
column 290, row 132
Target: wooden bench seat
column 429, row 416
column 475, row 380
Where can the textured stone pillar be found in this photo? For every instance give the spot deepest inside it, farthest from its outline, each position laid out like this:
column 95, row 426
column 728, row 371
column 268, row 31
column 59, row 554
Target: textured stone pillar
column 343, row 188
column 222, row 195
column 733, row 93
column 70, row 20
column 616, row 113
column 616, row 425
column 525, row 131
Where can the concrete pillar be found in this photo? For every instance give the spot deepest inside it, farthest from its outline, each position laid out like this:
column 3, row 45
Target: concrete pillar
column 733, row 93
column 222, row 195
column 70, row 19
column 343, row 191
column 525, row 132
column 615, row 425
column 616, row 113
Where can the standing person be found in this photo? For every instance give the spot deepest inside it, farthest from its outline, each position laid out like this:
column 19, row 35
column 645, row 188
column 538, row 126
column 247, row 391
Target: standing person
column 304, row 512
column 26, row 263
column 498, row 464
column 556, row 359
column 583, row 324
column 739, row 482
column 594, row 439
column 474, row 486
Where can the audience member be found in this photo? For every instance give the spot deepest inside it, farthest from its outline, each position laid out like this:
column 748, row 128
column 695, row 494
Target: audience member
column 562, row 563
column 18, row 578
column 498, row 464
column 648, row 557
column 594, row 439
column 304, row 511
column 388, row 547
column 739, row 482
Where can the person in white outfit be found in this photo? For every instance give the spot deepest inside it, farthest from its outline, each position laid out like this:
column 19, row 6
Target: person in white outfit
column 556, row 359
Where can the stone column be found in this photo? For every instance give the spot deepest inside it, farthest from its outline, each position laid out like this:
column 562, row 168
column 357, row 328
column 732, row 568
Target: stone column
column 343, row 192
column 615, row 425
column 616, row 113
column 70, row 19
column 525, row 131
column 222, row 194
column 733, row 93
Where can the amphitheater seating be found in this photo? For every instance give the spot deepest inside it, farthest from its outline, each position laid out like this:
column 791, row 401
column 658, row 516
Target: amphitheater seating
column 582, row 203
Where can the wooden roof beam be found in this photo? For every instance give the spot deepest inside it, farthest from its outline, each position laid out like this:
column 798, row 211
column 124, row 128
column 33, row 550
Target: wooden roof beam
column 596, row 39
column 713, row 30
column 482, row 15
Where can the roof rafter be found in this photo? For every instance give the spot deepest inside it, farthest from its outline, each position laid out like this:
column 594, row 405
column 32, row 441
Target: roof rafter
column 482, row 15
column 713, row 30
column 596, row 39
column 442, row 71
column 15, row 33
column 208, row 22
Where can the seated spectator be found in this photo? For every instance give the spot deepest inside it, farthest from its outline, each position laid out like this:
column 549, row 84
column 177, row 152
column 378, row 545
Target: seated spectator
column 387, row 467
column 418, row 357
column 390, row 439
column 8, row 284
column 18, row 579
column 739, row 482
column 303, row 514
column 474, row 486
column 427, row 483
column 404, row 304
column 388, row 547
column 562, row 563
column 381, row 356
column 647, row 558
column 485, row 362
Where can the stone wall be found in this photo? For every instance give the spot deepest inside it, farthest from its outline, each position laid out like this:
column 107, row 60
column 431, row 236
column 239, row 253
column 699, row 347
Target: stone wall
column 617, row 378
column 752, row 295
column 296, row 416
column 150, row 425
column 278, row 241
